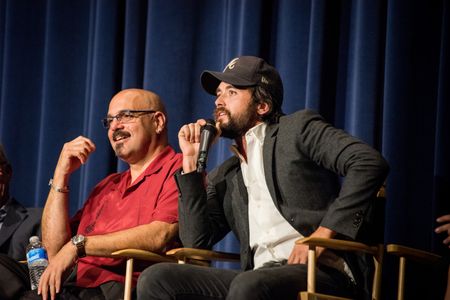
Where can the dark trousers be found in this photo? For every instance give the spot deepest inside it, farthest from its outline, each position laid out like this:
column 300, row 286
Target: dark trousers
column 14, row 278
column 15, row 284
column 188, row 282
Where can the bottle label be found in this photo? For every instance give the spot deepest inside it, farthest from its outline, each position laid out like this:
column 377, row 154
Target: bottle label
column 35, row 254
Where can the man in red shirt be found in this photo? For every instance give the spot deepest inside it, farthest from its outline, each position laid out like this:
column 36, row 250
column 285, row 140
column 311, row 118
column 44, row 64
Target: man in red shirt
column 133, row 209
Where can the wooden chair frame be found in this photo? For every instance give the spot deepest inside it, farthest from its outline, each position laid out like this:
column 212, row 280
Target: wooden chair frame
column 130, row 255
column 180, row 256
column 405, row 253
column 376, row 251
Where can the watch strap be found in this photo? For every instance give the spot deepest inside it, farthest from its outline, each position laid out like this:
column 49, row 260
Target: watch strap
column 81, row 250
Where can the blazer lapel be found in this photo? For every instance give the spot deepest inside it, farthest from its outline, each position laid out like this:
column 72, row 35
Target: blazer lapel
column 269, row 161
column 15, row 215
column 240, row 203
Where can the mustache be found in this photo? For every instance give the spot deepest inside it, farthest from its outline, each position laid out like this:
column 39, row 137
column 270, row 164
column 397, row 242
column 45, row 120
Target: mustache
column 220, row 110
column 120, row 133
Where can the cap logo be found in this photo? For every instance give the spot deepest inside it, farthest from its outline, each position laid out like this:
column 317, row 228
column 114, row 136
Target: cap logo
column 231, row 64
column 264, row 80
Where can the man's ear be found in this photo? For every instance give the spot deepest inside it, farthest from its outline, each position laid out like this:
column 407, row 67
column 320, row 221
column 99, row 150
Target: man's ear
column 160, row 122
column 263, row 108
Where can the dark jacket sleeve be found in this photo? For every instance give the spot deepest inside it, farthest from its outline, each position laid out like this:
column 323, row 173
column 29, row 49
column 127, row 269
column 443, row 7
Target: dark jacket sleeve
column 362, row 167
column 201, row 215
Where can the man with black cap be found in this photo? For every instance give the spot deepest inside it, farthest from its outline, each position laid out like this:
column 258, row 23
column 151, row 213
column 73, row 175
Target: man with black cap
column 281, row 185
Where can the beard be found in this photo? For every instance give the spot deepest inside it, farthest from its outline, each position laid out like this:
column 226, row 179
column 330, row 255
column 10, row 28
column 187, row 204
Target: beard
column 118, row 149
column 238, row 124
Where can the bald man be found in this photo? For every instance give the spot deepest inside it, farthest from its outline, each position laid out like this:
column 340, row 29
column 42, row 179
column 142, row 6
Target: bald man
column 133, row 209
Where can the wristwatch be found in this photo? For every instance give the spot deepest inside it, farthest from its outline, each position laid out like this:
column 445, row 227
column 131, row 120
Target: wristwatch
column 79, row 241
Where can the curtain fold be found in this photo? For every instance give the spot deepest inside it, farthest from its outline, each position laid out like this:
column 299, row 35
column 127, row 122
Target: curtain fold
column 378, row 69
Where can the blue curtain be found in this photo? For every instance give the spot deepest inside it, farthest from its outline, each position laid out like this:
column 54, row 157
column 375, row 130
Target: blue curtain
column 379, row 69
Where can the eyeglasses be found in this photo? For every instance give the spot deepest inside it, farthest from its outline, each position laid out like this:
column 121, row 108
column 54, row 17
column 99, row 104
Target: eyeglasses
column 125, row 116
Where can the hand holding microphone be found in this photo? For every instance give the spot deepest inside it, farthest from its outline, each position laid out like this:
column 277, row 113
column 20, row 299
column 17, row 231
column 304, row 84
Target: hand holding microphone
column 195, row 140
column 208, row 133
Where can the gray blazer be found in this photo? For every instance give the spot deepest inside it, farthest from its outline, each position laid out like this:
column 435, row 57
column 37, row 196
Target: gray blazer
column 303, row 156
column 20, row 223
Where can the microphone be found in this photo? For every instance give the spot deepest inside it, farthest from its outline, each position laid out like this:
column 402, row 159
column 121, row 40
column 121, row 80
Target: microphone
column 207, row 135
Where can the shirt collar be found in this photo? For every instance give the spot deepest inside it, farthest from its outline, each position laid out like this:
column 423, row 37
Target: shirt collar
column 157, row 163
column 258, row 131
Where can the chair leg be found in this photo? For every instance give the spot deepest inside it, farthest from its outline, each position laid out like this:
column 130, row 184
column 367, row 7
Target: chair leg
column 378, row 262
column 311, row 280
column 128, row 279
column 401, row 279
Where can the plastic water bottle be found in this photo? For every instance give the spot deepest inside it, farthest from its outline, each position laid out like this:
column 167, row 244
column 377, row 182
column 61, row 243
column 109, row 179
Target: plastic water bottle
column 37, row 260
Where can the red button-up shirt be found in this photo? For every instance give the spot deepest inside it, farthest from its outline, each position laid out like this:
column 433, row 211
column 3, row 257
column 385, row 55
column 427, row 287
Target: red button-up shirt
column 115, row 205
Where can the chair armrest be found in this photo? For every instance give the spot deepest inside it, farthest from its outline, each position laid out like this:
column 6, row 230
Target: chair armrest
column 142, row 255
column 312, row 242
column 339, row 245
column 414, row 254
column 130, row 255
column 202, row 254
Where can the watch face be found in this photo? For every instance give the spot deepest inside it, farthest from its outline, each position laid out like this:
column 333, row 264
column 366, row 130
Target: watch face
column 78, row 239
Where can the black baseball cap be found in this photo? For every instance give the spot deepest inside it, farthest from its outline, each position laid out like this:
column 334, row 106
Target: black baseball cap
column 243, row 72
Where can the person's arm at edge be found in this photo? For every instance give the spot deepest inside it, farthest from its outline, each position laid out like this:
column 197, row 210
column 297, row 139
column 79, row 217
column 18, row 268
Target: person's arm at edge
column 55, row 218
